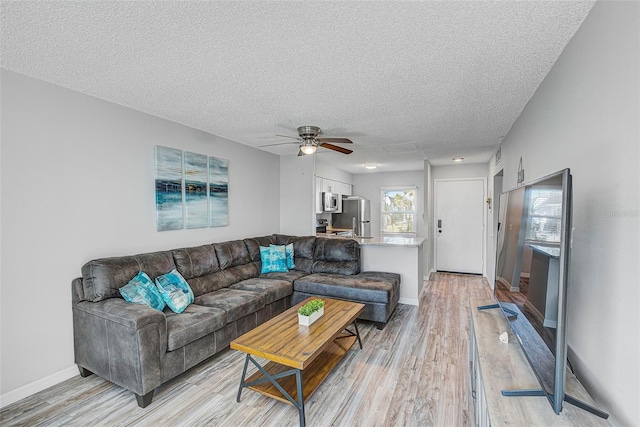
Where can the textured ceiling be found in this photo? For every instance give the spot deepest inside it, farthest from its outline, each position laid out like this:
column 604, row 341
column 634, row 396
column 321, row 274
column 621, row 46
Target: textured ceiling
column 405, row 81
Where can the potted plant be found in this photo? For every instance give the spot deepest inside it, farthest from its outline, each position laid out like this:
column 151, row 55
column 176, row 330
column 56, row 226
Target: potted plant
column 310, row 312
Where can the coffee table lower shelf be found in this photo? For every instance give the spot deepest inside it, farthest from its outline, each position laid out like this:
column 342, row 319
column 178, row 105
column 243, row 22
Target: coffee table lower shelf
column 313, row 376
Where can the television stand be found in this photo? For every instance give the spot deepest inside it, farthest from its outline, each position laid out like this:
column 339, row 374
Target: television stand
column 567, row 398
column 496, row 366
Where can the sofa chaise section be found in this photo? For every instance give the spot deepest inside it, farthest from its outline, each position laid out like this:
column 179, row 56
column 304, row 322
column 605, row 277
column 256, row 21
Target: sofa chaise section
column 336, row 274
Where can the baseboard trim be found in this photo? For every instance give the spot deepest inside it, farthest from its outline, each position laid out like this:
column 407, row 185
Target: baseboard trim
column 408, row 301
column 503, row 281
column 38, row 385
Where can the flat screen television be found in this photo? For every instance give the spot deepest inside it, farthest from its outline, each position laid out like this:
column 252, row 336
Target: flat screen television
column 533, row 248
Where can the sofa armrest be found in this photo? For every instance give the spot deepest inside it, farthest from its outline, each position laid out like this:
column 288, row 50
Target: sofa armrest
column 120, row 341
column 118, row 310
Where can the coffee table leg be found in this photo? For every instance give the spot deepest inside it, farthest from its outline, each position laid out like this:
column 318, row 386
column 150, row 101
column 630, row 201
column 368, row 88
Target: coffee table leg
column 300, row 397
column 356, row 334
column 266, row 377
column 355, row 325
column 244, row 373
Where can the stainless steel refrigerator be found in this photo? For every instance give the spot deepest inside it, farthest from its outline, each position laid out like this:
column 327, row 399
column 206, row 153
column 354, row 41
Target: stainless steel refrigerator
column 356, row 215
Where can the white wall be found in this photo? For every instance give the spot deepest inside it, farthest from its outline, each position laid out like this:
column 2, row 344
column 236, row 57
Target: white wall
column 428, row 218
column 584, row 116
column 325, row 171
column 473, row 170
column 368, row 185
column 78, row 183
column 297, row 205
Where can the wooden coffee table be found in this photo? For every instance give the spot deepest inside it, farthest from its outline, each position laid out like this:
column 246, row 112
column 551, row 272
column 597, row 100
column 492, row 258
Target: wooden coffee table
column 314, row 349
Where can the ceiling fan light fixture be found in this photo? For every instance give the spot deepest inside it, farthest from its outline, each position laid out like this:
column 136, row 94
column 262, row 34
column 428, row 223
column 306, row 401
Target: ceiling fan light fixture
column 308, row 148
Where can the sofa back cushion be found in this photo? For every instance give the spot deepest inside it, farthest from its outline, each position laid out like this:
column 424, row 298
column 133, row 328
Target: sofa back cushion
column 337, row 256
column 102, row 278
column 199, row 266
column 303, row 250
column 253, row 245
column 235, row 262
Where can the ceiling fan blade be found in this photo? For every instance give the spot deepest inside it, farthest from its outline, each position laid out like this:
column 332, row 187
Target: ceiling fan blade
column 287, row 136
column 336, row 140
column 280, row 143
column 336, row 148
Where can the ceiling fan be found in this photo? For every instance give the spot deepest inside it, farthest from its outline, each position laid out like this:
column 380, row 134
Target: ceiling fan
column 309, row 141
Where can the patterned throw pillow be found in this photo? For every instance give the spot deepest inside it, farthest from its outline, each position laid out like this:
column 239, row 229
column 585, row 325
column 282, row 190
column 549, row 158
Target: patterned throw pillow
column 274, row 259
column 141, row 290
column 175, row 291
column 288, row 249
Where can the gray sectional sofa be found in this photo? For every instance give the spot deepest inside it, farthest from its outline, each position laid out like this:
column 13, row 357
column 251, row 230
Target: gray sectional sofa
column 140, row 348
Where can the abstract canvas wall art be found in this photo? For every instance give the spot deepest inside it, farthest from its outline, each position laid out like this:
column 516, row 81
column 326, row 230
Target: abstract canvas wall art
column 195, row 190
column 169, row 215
column 218, row 192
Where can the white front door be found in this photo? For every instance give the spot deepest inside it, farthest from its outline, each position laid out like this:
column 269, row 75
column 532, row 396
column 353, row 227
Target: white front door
column 459, row 225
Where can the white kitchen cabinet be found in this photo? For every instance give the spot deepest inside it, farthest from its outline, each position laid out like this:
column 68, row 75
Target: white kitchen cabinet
column 325, row 185
column 328, row 186
column 336, row 187
column 345, row 189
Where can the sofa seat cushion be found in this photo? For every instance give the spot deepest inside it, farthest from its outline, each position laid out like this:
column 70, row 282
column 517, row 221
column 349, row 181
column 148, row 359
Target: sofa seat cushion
column 354, row 288
column 290, row 276
column 271, row 289
column 235, row 302
column 383, row 275
column 193, row 323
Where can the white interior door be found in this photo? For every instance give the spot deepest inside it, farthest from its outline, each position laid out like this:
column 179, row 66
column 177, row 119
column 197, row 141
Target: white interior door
column 459, row 225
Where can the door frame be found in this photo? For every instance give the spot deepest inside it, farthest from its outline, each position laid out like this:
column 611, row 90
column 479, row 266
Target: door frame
column 484, row 219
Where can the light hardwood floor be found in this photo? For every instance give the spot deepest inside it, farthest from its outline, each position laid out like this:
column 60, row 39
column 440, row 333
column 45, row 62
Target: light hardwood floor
column 415, row 372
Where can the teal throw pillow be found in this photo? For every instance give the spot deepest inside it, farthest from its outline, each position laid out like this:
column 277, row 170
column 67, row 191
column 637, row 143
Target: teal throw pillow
column 274, row 259
column 175, row 291
column 288, row 249
column 141, row 290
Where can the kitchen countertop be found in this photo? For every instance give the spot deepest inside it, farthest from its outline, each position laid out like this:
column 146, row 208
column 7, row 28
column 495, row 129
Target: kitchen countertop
column 380, row 241
column 550, row 251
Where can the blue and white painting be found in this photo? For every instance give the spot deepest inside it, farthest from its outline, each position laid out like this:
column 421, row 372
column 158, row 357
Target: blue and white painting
column 195, row 190
column 218, row 192
column 168, row 189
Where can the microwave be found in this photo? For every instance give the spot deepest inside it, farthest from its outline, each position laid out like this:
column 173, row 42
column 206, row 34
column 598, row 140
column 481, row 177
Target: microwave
column 330, row 202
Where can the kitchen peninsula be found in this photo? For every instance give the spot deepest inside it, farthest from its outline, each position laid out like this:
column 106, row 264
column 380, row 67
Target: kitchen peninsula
column 402, row 255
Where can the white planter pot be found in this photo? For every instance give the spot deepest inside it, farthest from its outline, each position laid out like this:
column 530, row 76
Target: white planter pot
column 308, row 320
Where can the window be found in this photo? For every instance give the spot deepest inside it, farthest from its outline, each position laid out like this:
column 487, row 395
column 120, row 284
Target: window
column 545, row 214
column 398, row 210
